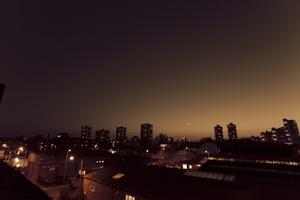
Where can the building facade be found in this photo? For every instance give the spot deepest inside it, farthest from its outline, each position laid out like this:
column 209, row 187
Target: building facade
column 287, row 134
column 291, row 131
column 214, row 181
column 121, row 136
column 65, row 142
column 86, row 132
column 219, row 133
column 146, row 137
column 102, row 135
column 42, row 167
column 232, row 132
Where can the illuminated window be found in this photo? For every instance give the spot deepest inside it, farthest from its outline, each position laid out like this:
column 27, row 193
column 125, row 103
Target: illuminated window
column 51, row 168
column 129, row 197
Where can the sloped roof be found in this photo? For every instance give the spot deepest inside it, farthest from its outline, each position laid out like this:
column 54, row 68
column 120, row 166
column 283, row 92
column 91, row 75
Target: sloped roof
column 14, row 186
column 163, row 183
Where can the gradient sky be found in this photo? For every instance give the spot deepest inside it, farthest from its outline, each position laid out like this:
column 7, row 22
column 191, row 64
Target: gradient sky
column 184, row 67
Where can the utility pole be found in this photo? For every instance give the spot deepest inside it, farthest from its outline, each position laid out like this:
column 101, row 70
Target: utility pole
column 81, row 166
column 65, row 167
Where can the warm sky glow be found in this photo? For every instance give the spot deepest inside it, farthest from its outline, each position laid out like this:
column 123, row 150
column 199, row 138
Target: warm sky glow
column 182, row 68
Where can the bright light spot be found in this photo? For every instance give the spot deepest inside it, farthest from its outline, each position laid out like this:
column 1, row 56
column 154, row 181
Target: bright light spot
column 147, row 151
column 72, row 157
column 184, row 166
column 21, row 149
column 18, row 165
column 4, row 145
column 69, row 150
column 118, row 176
column 17, row 160
column 82, row 172
column 129, row 197
column 112, row 151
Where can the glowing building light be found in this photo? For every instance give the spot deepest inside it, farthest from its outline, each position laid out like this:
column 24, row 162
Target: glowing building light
column 118, row 176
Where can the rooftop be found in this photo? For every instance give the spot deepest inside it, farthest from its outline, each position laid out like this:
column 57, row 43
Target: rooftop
column 164, row 183
column 14, row 186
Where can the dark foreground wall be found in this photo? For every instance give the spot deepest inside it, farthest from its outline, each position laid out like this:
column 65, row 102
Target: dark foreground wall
column 2, row 87
column 14, row 186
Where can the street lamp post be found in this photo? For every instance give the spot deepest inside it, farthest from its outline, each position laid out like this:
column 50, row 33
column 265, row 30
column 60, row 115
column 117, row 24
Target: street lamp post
column 207, row 153
column 81, row 168
column 65, row 167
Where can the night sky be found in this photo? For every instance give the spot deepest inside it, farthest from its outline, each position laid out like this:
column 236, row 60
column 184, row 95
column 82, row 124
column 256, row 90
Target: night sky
column 184, row 67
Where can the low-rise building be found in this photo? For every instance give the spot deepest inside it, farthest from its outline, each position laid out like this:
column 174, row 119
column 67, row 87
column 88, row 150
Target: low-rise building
column 43, row 167
column 145, row 182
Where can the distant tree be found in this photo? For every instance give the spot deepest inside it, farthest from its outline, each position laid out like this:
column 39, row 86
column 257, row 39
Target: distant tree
column 134, row 140
column 20, row 138
column 161, row 139
column 34, row 142
column 170, row 140
column 48, row 136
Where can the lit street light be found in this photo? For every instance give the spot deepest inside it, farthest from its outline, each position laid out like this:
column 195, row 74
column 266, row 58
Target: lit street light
column 17, row 160
column 18, row 163
column 21, row 149
column 7, row 149
column 207, row 153
column 81, row 171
